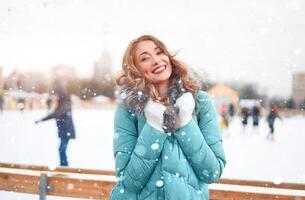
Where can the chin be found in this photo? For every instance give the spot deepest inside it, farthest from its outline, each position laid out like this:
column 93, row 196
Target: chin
column 161, row 79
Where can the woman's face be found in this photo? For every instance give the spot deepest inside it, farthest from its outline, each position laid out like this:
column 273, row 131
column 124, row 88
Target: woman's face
column 152, row 62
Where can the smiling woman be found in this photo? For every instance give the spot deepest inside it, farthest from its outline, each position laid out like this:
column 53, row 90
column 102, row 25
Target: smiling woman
column 167, row 142
column 148, row 65
column 153, row 64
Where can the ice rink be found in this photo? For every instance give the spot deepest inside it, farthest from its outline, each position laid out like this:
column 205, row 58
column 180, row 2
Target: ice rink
column 249, row 154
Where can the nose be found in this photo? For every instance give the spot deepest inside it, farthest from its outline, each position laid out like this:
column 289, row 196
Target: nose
column 156, row 59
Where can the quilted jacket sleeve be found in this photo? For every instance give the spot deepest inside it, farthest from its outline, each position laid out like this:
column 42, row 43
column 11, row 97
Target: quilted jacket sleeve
column 202, row 143
column 136, row 154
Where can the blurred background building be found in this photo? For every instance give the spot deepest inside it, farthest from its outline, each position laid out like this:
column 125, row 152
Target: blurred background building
column 298, row 89
column 223, row 95
column 1, row 81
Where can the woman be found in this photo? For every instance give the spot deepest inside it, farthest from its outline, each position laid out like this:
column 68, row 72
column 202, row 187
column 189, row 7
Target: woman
column 167, row 142
column 63, row 116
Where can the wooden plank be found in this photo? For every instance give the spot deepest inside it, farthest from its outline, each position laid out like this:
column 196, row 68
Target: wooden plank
column 234, row 195
column 58, row 169
column 59, row 186
column 295, row 186
column 19, row 183
column 80, row 188
column 98, row 189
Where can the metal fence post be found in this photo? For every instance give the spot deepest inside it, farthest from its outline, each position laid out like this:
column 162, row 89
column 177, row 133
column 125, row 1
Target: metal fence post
column 43, row 187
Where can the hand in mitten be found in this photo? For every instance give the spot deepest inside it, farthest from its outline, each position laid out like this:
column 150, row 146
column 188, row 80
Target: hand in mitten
column 154, row 114
column 186, row 105
column 171, row 119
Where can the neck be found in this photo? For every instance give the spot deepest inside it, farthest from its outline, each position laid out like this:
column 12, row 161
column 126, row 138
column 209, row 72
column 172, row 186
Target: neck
column 162, row 89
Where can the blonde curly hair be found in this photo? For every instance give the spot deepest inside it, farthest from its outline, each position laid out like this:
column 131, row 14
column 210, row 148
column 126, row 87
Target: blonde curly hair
column 132, row 76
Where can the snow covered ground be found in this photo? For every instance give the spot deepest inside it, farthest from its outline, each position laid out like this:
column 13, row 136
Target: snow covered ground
column 249, row 154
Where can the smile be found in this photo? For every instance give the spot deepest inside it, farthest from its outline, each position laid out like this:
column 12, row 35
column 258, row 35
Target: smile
column 159, row 69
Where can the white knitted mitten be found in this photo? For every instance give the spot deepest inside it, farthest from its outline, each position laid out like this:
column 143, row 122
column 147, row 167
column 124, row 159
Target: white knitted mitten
column 186, row 104
column 154, row 114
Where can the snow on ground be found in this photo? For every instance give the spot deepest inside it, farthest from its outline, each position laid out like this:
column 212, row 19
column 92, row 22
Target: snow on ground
column 249, row 154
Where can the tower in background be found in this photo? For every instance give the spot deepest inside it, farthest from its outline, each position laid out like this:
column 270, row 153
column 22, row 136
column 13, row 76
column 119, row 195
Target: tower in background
column 298, row 88
column 1, row 82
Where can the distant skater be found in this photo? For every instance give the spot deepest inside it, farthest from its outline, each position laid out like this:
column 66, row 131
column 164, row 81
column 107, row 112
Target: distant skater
column 244, row 117
column 1, row 104
column 224, row 122
column 231, row 110
column 255, row 116
column 272, row 115
column 21, row 104
column 63, row 116
column 49, row 103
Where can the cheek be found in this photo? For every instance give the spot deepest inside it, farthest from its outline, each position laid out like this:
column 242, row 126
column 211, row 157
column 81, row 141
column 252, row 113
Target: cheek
column 144, row 69
column 170, row 68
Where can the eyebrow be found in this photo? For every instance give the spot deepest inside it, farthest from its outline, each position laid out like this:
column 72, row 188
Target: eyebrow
column 145, row 52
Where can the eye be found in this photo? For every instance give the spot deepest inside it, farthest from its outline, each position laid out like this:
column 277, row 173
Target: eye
column 160, row 52
column 144, row 58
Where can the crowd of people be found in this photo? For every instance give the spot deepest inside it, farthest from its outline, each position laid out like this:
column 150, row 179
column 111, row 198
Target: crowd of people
column 227, row 114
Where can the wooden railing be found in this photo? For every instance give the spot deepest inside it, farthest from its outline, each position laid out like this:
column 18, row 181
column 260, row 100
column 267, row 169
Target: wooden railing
column 97, row 184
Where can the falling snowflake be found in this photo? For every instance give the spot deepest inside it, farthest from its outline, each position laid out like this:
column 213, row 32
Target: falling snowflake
column 155, row 146
column 277, row 180
column 52, row 167
column 264, row 31
column 70, row 186
column 159, row 183
column 123, row 95
column 297, row 51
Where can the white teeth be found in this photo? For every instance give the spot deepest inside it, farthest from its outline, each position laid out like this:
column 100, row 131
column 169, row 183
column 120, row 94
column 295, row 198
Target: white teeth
column 159, row 69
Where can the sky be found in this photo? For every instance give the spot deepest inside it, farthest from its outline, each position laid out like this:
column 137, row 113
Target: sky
column 256, row 41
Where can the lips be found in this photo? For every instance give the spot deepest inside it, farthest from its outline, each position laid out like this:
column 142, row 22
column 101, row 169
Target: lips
column 159, row 69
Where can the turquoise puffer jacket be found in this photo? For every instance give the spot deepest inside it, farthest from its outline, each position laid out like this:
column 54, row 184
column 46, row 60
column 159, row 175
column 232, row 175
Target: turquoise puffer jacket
column 153, row 165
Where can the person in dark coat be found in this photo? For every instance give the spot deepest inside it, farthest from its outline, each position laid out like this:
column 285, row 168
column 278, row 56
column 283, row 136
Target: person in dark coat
column 255, row 116
column 63, row 116
column 1, row 104
column 272, row 115
column 244, row 116
column 49, row 102
column 231, row 110
column 21, row 104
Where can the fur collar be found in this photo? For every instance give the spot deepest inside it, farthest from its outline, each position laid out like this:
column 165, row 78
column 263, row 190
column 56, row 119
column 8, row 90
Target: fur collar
column 135, row 100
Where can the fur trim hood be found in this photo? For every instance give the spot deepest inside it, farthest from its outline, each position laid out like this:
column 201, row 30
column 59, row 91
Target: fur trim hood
column 135, row 100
